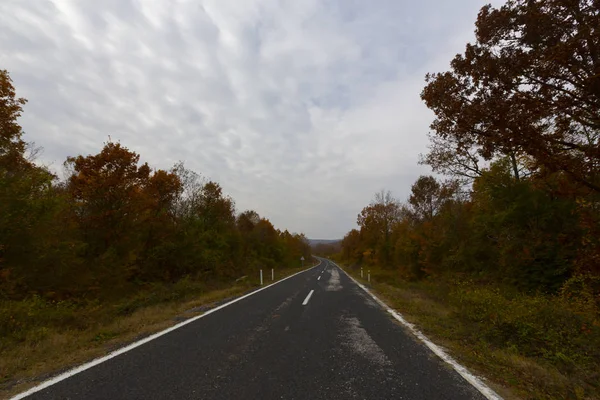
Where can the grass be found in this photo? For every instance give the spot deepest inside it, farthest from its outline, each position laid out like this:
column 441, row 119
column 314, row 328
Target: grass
column 529, row 346
column 40, row 338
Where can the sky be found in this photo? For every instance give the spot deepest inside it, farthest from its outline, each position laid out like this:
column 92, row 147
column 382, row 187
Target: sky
column 300, row 110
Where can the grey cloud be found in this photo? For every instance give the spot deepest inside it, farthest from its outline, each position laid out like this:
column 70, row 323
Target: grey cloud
column 300, row 109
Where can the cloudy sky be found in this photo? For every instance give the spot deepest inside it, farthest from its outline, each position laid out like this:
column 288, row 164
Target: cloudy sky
column 300, row 109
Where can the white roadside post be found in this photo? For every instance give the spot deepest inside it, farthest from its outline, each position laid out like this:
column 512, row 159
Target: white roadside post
column 272, row 274
column 261, row 280
column 302, row 261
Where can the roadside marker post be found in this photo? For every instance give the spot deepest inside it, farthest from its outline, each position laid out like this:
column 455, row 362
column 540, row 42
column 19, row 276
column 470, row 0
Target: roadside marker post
column 272, row 274
column 369, row 276
column 261, row 279
column 361, row 272
column 302, row 261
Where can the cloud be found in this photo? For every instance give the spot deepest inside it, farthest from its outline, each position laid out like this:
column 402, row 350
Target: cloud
column 302, row 110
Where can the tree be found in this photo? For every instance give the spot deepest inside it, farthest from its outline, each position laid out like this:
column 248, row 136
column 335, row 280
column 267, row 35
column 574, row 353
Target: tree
column 158, row 227
column 12, row 146
column 530, row 236
column 38, row 241
column 351, row 246
column 109, row 202
column 215, row 210
column 448, row 156
column 295, row 246
column 428, row 196
column 247, row 220
column 530, row 84
column 376, row 222
column 190, row 193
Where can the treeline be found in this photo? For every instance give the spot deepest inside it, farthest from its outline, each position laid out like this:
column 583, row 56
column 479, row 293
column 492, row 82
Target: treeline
column 503, row 230
column 326, row 249
column 115, row 223
column 517, row 133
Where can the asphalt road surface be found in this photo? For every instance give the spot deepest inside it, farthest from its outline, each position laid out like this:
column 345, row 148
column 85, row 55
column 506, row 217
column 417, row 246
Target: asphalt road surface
column 280, row 343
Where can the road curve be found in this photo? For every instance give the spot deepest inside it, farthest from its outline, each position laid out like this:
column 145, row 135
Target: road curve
column 316, row 335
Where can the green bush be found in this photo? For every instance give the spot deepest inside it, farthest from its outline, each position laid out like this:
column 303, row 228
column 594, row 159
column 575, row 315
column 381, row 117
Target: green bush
column 30, row 319
column 544, row 326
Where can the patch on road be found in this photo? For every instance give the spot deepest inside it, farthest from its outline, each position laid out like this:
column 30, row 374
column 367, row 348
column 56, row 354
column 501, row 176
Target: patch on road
column 359, row 341
column 334, row 284
column 368, row 299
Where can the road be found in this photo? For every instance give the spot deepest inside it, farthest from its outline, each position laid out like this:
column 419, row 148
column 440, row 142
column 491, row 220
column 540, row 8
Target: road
column 279, row 343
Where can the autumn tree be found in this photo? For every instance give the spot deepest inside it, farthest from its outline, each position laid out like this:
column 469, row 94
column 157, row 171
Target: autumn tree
column 530, row 236
column 376, row 222
column 12, row 145
column 295, row 246
column 12, row 149
column 428, row 196
column 351, row 246
column 247, row 220
column 215, row 209
column 32, row 255
column 158, row 227
column 107, row 190
column 530, row 84
column 448, row 156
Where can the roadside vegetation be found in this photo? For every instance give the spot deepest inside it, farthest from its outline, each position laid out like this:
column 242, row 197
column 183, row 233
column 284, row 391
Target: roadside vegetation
column 113, row 251
column 500, row 259
column 529, row 346
column 55, row 336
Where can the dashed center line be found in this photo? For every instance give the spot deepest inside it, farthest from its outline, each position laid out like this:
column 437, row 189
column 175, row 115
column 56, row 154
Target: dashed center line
column 305, row 302
column 319, row 278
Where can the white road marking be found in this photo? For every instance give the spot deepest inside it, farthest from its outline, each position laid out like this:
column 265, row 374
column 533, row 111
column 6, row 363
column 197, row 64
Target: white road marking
column 132, row 346
column 306, row 300
column 485, row 390
column 319, row 278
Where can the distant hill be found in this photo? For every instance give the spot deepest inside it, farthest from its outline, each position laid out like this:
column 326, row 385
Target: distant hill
column 315, row 242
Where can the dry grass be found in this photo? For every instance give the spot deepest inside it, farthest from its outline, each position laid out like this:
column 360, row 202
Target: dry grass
column 47, row 350
column 514, row 371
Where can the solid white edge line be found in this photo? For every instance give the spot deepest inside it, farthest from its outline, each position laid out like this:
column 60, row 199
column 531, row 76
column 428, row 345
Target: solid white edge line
column 131, row 346
column 476, row 382
column 307, row 299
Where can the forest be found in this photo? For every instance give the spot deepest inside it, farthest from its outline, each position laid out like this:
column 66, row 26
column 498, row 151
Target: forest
column 507, row 231
column 114, row 250
column 115, row 223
